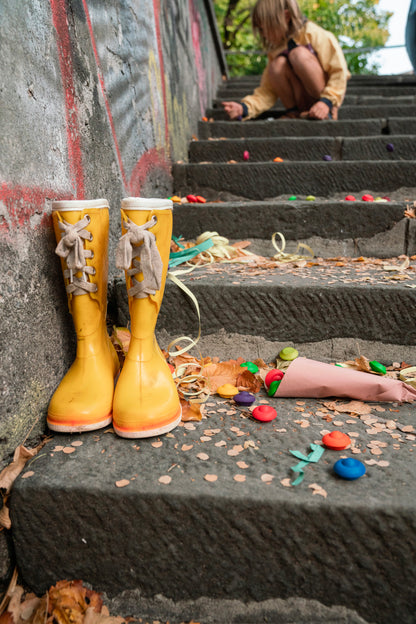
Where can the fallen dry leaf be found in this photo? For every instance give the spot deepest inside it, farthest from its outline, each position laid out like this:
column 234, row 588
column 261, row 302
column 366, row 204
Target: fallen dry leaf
column 248, row 381
column 92, row 617
column 68, row 602
column 222, row 373
column 20, row 458
column 121, row 341
column 353, row 407
column 190, row 411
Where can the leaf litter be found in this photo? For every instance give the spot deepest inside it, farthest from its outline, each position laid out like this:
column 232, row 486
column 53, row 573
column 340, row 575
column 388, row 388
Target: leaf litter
column 66, row 602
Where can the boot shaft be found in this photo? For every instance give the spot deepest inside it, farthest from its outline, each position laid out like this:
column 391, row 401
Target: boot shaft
column 143, row 253
column 81, row 231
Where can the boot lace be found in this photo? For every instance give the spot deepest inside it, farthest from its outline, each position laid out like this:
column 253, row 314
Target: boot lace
column 144, row 258
column 71, row 248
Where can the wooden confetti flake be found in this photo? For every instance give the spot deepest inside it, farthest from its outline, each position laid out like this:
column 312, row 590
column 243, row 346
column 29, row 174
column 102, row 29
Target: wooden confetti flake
column 68, row 450
column 203, row 456
column 122, row 483
column 186, row 447
column 317, row 489
column 165, row 479
column 242, row 465
column 77, row 443
column 267, row 478
column 28, row 474
column 211, row 477
column 240, row 478
column 157, row 444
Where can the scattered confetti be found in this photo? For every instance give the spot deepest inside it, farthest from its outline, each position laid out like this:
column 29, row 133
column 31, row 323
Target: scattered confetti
column 317, row 489
column 157, row 444
column 286, row 482
column 165, row 479
column 68, row 450
column 186, row 447
column 77, row 443
column 239, row 478
column 203, row 456
column 211, row 477
column 242, row 465
column 122, row 483
column 28, row 474
column 267, row 478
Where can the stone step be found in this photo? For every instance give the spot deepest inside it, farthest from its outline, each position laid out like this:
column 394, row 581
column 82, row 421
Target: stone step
column 173, row 535
column 345, row 112
column 359, row 80
column 254, row 180
column 305, row 128
column 330, row 228
column 311, row 303
column 230, row 92
column 350, row 100
column 391, row 148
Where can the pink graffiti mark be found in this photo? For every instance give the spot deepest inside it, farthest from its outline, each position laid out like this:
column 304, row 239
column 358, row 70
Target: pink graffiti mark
column 151, row 161
column 196, row 42
column 23, row 203
column 60, row 23
column 104, row 93
column 153, row 158
column 156, row 13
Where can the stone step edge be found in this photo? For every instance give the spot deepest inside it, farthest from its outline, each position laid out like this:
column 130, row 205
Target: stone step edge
column 231, row 345
column 297, row 127
column 258, row 180
column 395, row 147
column 371, row 308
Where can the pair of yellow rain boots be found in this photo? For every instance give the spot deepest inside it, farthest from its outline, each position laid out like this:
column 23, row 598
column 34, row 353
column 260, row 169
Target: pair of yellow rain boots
column 145, row 401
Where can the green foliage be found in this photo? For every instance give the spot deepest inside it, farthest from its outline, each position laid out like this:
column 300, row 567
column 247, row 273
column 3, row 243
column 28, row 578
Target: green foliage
column 358, row 25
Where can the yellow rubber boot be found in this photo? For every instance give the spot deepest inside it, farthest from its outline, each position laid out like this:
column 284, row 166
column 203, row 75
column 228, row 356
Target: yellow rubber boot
column 146, row 401
column 84, row 398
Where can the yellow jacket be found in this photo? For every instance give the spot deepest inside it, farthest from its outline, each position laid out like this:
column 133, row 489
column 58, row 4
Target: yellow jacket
column 331, row 58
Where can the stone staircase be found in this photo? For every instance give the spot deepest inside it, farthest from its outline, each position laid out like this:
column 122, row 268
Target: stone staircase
column 207, row 528
column 372, row 151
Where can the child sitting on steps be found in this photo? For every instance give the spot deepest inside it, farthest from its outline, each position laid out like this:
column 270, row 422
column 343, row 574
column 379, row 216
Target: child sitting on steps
column 306, row 67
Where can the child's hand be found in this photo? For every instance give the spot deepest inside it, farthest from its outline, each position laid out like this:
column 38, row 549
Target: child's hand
column 234, row 110
column 319, row 110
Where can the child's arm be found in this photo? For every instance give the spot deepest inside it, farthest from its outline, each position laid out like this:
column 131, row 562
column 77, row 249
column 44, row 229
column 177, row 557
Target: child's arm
column 261, row 99
column 333, row 63
column 253, row 105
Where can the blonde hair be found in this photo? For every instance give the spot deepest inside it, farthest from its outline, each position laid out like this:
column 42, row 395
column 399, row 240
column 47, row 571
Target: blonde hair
column 269, row 15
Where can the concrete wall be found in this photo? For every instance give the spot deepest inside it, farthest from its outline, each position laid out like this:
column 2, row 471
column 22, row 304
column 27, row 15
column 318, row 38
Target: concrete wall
column 95, row 102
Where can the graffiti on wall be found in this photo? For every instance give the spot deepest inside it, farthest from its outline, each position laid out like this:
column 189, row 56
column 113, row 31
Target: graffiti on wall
column 149, row 69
